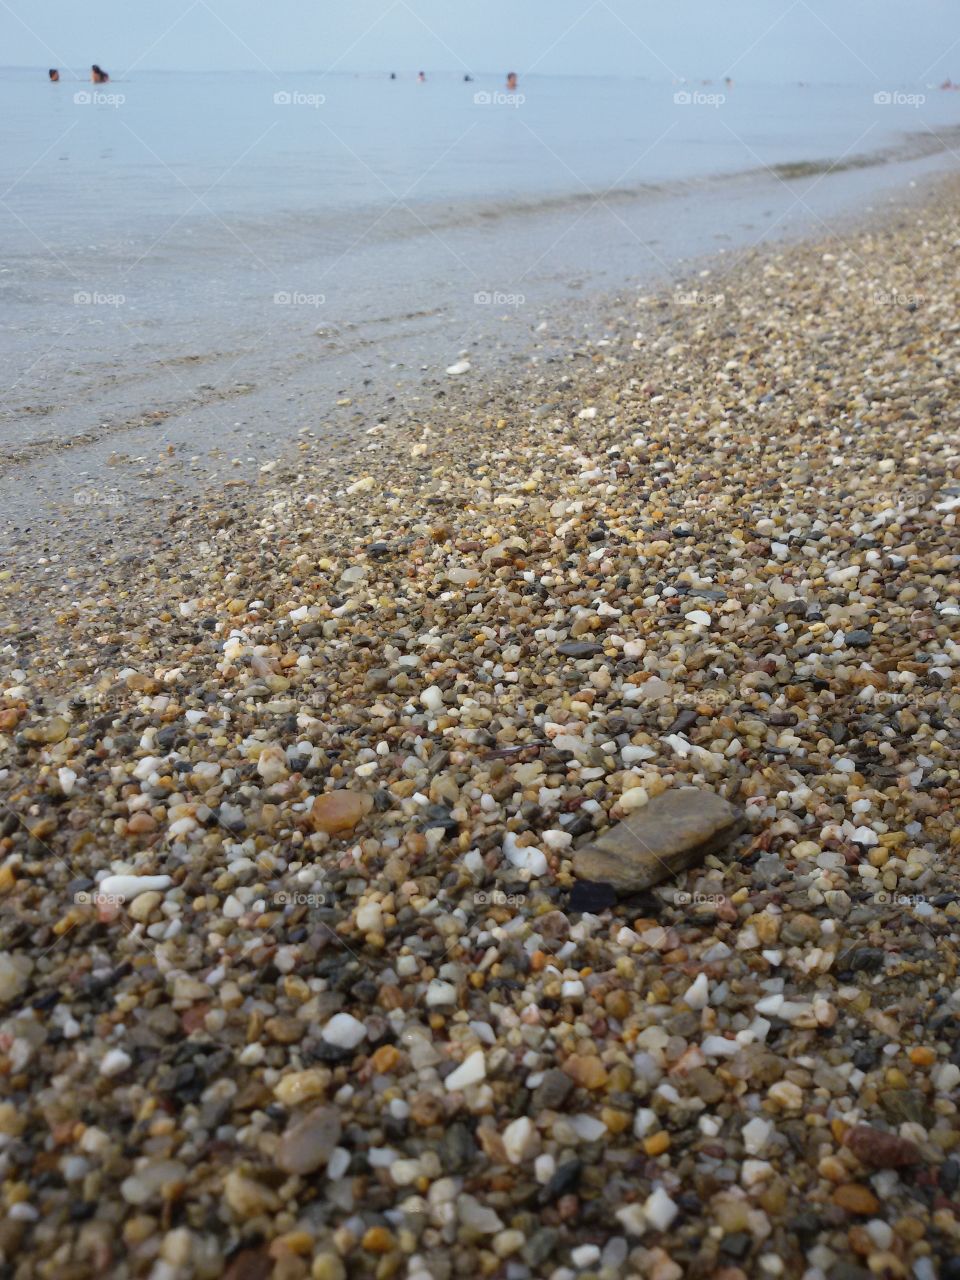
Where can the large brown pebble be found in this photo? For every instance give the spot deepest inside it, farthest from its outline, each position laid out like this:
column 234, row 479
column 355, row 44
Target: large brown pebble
column 676, row 830
column 881, row 1150
column 339, row 811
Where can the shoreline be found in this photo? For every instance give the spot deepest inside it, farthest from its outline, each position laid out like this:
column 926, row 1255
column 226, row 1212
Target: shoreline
column 358, row 721
column 160, row 422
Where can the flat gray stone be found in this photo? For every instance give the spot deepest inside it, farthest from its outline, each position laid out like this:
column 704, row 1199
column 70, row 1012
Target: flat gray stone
column 579, row 648
column 308, row 1143
column 676, row 830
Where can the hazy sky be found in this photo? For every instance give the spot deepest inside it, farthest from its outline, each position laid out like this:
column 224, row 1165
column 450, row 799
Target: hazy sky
column 880, row 41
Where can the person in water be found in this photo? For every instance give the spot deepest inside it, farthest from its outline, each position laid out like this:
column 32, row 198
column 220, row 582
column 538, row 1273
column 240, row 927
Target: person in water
column 393, row 75
column 98, row 75
column 422, row 77
column 511, row 80
column 468, row 79
column 54, row 75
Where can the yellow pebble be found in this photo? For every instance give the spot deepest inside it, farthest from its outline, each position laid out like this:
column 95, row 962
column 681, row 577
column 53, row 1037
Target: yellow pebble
column 657, row 1143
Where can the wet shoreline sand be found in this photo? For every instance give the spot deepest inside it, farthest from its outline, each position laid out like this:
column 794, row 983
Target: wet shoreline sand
column 355, row 724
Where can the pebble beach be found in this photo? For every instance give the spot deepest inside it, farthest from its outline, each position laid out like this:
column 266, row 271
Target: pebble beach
column 358, row 917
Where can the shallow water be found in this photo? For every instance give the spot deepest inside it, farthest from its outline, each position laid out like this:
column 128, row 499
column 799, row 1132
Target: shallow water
column 210, row 261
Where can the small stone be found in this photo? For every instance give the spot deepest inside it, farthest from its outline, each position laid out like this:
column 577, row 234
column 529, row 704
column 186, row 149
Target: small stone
column 339, row 811
column 15, row 973
column 308, row 1143
column 657, row 1143
column 327, row 1266
column 48, row 731
column 144, row 905
column 344, row 1030
column 584, row 1256
column 246, row 1197
column 114, row 1062
column 881, row 1150
column 659, row 1210
column 592, row 897
column 471, row 1071
column 517, row 1140
column 432, row 698
column 285, row 1029
column 698, row 993
column 126, row 888
column 302, row 1086
column 756, row 1134
column 477, row 1217
column 676, row 830
column 552, row 1091
column 586, row 1070
column 579, row 649
column 370, row 917
column 858, row 639
column 856, row 1199
column 272, row 765
column 151, row 1179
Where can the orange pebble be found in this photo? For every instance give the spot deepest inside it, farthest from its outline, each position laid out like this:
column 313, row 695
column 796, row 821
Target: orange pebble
column 386, row 1059
column 657, row 1143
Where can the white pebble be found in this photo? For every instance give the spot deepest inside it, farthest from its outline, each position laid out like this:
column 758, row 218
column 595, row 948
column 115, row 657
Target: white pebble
column 471, row 1071
column 698, row 993
column 756, row 1134
column 516, row 1139
column 344, row 1030
column 585, row 1255
column 659, row 1210
column 128, row 887
column 432, row 698
column 114, row 1062
column 719, row 1047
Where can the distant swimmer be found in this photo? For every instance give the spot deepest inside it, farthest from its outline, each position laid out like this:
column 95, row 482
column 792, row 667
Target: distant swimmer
column 728, row 81
column 422, row 77
column 54, row 74
column 393, row 75
column 511, row 80
column 468, row 79
column 98, row 75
